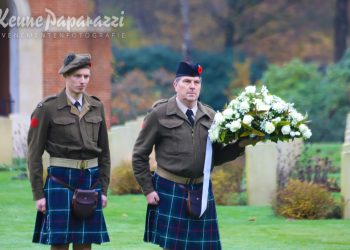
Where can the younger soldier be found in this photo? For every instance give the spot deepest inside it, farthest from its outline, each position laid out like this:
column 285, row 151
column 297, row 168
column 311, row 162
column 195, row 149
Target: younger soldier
column 71, row 127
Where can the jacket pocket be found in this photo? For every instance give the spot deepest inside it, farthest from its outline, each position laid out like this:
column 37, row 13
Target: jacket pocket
column 65, row 129
column 93, row 126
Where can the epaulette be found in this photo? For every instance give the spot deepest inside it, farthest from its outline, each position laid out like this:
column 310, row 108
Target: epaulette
column 95, row 98
column 155, row 104
column 50, row 97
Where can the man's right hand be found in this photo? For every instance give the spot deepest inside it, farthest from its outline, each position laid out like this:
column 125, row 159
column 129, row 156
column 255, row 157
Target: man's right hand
column 41, row 205
column 152, row 198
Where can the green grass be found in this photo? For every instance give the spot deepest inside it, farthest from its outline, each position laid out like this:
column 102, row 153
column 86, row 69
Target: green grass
column 240, row 227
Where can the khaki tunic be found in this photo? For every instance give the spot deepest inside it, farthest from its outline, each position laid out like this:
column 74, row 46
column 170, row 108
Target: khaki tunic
column 64, row 132
column 179, row 148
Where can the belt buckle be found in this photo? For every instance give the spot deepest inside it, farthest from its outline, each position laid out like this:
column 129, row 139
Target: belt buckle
column 83, row 164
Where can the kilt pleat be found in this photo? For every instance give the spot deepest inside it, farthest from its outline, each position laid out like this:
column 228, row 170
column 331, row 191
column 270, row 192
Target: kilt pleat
column 169, row 226
column 59, row 225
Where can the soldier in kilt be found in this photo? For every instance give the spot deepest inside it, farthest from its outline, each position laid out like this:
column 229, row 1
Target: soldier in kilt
column 178, row 129
column 71, row 127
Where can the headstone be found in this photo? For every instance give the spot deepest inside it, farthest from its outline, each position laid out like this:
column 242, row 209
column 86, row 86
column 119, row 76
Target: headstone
column 6, row 141
column 345, row 170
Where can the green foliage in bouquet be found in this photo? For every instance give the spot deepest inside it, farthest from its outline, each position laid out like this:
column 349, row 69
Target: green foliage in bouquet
column 258, row 113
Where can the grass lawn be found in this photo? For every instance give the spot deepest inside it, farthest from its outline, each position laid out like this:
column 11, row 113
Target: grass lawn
column 241, row 227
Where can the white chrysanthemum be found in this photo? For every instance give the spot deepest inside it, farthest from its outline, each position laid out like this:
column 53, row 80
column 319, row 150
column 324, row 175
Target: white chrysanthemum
column 285, row 130
column 219, row 118
column 233, row 103
column 234, row 125
column 268, row 99
column 244, row 107
column 277, row 119
column 214, row 133
column 269, row 127
column 228, row 113
column 297, row 117
column 303, row 128
column 307, row 134
column 279, row 106
column 264, row 90
column 250, row 89
column 247, row 119
column 261, row 106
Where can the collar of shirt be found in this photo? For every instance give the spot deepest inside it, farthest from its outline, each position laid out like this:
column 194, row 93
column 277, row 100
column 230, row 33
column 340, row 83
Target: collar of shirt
column 183, row 108
column 80, row 100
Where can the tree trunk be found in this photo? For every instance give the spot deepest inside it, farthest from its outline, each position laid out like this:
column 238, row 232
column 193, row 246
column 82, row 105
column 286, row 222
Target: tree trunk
column 340, row 28
column 186, row 34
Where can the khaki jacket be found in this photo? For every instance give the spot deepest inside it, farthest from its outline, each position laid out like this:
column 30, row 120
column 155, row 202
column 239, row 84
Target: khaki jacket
column 64, row 132
column 179, row 148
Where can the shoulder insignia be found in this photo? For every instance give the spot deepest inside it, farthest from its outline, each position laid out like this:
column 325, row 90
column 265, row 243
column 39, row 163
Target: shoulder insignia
column 155, row 104
column 95, row 98
column 40, row 104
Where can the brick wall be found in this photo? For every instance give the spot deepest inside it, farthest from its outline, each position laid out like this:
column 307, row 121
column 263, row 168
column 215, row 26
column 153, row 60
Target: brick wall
column 72, row 8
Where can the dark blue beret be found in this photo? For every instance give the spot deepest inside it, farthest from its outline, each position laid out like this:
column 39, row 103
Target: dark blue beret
column 188, row 69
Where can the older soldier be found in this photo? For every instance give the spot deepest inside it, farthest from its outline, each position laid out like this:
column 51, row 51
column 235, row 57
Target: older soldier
column 178, row 128
column 71, row 127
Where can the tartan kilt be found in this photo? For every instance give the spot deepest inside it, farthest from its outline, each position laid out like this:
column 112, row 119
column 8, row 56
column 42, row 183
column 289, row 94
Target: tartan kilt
column 169, row 225
column 59, row 225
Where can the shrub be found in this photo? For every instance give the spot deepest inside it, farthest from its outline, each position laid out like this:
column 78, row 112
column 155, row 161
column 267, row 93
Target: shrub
column 227, row 181
column 123, row 180
column 302, row 200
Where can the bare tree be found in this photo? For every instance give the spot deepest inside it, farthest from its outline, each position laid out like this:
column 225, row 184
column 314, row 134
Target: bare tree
column 340, row 28
column 186, row 34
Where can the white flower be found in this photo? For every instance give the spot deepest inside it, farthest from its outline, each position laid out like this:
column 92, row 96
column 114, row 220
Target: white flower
column 268, row 99
column 244, row 107
column 237, row 115
column 214, row 133
column 227, row 113
column 250, row 89
column 233, row 103
column 279, row 106
column 247, row 119
column 303, row 128
column 297, row 133
column 269, row 127
column 234, row 125
column 292, row 133
column 277, row 119
column 297, row 117
column 261, row 106
column 286, row 130
column 219, row 118
column 264, row 90
column 307, row 134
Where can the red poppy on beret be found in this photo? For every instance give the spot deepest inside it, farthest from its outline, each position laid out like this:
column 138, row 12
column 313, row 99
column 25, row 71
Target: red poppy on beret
column 34, row 123
column 90, row 64
column 200, row 69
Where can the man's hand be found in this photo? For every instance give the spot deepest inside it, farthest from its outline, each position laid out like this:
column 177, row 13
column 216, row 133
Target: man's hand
column 249, row 141
column 104, row 201
column 152, row 198
column 41, row 205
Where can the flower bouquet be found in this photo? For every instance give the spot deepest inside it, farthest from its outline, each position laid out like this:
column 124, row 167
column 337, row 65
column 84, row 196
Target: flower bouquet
column 258, row 113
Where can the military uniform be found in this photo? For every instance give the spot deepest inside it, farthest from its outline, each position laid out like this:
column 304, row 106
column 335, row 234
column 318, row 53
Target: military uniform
column 180, row 155
column 77, row 142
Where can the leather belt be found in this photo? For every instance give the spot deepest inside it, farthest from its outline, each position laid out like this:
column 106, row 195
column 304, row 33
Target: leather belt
column 71, row 163
column 178, row 179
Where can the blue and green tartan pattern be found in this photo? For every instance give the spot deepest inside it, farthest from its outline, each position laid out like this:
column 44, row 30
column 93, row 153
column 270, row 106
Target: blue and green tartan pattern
column 169, row 225
column 58, row 225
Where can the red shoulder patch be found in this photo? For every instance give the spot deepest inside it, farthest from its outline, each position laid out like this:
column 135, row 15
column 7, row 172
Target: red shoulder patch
column 34, row 123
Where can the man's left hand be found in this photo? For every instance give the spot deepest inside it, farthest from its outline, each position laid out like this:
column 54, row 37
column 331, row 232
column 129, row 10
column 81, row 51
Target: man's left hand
column 104, row 201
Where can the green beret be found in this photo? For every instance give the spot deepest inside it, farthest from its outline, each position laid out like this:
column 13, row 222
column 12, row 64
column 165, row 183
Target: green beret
column 74, row 62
